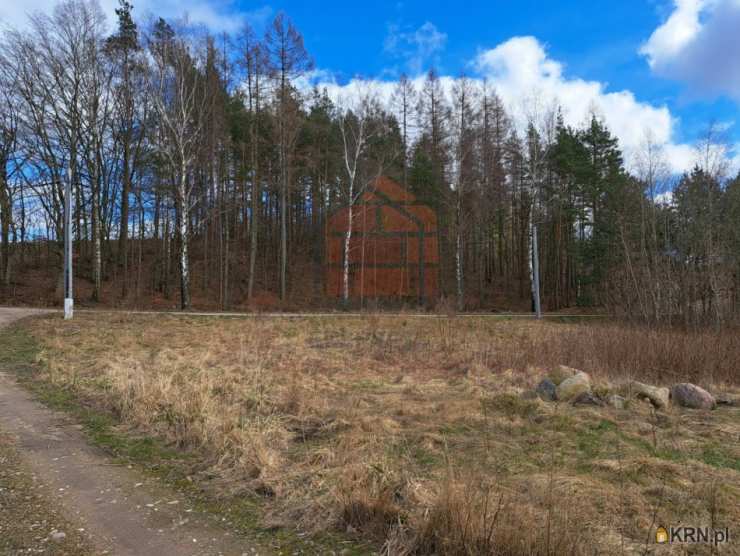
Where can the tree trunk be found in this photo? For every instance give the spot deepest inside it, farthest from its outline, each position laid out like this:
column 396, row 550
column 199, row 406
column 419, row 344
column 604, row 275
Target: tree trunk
column 97, row 253
column 256, row 189
column 283, row 236
column 182, row 215
column 6, row 214
column 347, row 240
column 459, row 276
column 253, row 234
column 123, row 236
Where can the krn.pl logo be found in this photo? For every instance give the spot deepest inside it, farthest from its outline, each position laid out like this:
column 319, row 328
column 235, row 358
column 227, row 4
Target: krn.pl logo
column 661, row 535
column 692, row 535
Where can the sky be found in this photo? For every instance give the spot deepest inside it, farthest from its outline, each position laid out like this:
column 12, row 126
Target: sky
column 664, row 69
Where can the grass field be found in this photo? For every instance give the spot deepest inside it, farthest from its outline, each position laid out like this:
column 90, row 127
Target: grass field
column 412, row 435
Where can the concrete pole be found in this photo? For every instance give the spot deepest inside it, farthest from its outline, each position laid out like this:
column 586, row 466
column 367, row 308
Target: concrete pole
column 536, row 273
column 68, row 297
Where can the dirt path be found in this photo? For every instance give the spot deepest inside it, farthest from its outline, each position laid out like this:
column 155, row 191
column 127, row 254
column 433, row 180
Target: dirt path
column 121, row 511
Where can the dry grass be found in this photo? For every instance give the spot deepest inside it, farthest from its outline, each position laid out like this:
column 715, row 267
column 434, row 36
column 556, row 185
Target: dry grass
column 413, row 432
column 659, row 355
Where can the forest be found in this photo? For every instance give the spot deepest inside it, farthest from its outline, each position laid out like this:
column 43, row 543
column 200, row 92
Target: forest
column 204, row 169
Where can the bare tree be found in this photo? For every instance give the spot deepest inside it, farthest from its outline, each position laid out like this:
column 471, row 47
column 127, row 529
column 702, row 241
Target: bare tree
column 8, row 147
column 123, row 49
column 360, row 121
column 177, row 89
column 653, row 173
column 541, row 126
column 95, row 120
column 711, row 152
column 254, row 62
column 463, row 123
column 288, row 60
column 51, row 65
column 403, row 101
column 433, row 115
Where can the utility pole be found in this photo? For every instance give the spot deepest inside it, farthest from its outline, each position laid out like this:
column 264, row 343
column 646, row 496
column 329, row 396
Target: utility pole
column 68, row 299
column 536, row 274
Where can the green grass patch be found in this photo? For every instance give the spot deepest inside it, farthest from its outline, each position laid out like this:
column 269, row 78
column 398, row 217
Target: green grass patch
column 367, row 385
column 415, row 452
column 511, row 405
column 716, row 456
column 19, row 351
column 594, row 441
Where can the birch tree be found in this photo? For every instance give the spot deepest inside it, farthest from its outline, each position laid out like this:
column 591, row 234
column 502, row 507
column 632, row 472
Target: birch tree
column 359, row 122
column 463, row 122
column 541, row 129
column 177, row 90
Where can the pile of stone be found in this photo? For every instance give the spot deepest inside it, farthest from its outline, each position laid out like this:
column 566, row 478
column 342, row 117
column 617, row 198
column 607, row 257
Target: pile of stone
column 566, row 384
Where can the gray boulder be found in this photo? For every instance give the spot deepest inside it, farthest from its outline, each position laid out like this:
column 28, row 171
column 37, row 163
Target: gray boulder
column 561, row 373
column 692, row 396
column 546, row 390
column 572, row 387
column 658, row 396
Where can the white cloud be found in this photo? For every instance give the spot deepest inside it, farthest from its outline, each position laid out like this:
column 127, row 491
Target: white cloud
column 418, row 47
column 523, row 75
column 520, row 70
column 681, row 157
column 217, row 15
column 678, row 30
column 699, row 44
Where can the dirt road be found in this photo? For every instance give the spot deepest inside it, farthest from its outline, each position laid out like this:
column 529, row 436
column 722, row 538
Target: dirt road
column 120, row 510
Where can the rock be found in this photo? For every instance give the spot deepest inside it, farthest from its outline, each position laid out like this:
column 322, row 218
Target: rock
column 58, row 536
column 572, row 387
column 658, row 396
column 587, row 398
column 725, row 399
column 546, row 390
column 692, row 396
column 617, row 402
column 561, row 373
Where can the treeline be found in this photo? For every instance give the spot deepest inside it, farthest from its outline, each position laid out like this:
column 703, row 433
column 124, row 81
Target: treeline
column 206, row 166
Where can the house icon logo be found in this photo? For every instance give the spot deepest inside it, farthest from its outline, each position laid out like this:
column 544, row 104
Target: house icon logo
column 661, row 535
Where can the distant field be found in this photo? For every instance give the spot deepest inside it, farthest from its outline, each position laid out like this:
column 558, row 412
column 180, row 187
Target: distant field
column 414, row 433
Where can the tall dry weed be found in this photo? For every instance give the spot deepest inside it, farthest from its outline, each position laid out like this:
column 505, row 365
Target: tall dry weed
column 410, row 432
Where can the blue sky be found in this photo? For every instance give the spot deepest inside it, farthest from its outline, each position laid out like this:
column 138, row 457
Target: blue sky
column 594, row 40
column 663, row 68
